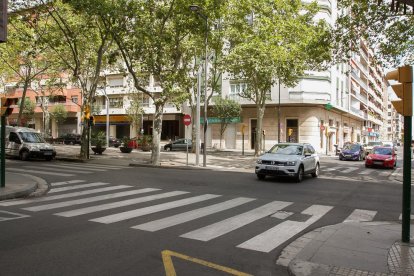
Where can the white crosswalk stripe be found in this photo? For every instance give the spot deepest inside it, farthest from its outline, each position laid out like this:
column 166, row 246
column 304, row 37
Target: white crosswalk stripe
column 67, row 170
column 361, row 215
column 38, row 172
column 81, row 186
column 192, row 215
column 118, row 204
column 225, row 226
column 74, row 194
column 97, row 166
column 153, row 209
column 77, row 168
column 348, row 170
column 277, row 235
column 88, row 200
column 61, row 183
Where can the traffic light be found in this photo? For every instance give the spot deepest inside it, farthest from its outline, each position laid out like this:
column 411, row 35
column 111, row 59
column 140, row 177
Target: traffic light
column 404, row 89
column 3, row 20
column 91, row 121
column 87, row 113
column 6, row 110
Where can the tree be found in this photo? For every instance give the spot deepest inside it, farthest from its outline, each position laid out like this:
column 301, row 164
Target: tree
column 59, row 113
column 80, row 45
column 390, row 33
column 270, row 41
column 153, row 40
column 135, row 111
column 24, row 59
column 28, row 110
column 225, row 110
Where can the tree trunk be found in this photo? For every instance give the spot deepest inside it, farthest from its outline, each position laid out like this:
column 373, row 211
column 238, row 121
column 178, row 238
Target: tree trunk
column 258, row 143
column 193, row 127
column 156, row 134
column 84, row 144
column 19, row 117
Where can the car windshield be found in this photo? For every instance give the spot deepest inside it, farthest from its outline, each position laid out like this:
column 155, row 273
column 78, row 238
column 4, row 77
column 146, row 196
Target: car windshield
column 374, row 143
column 352, row 148
column 382, row 151
column 287, row 149
column 32, row 137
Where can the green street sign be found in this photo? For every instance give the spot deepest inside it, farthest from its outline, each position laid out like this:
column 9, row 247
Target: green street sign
column 215, row 120
column 328, row 106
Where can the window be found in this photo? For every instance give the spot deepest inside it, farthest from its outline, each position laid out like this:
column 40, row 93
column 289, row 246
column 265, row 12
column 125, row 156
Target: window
column 116, row 102
column 145, row 100
column 118, row 82
column 236, row 89
column 75, row 99
column 14, row 138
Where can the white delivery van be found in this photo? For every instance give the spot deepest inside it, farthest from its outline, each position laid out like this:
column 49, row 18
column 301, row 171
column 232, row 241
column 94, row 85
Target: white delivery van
column 27, row 143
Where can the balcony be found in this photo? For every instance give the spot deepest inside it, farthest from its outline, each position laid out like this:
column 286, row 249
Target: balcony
column 357, row 111
column 359, row 97
column 359, row 81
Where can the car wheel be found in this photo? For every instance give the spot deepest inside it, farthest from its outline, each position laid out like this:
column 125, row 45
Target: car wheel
column 24, row 155
column 366, row 166
column 167, row 149
column 340, row 158
column 316, row 173
column 49, row 158
column 299, row 175
column 261, row 176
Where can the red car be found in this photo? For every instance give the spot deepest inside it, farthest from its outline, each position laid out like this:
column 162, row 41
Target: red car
column 382, row 157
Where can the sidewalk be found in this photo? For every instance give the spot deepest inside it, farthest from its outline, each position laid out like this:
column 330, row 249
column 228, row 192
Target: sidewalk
column 351, row 248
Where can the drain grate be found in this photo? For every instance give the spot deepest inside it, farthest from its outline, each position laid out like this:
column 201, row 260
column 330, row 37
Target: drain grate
column 401, row 258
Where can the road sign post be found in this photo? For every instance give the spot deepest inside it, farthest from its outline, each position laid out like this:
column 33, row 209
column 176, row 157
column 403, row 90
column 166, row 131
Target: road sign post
column 404, row 91
column 187, row 122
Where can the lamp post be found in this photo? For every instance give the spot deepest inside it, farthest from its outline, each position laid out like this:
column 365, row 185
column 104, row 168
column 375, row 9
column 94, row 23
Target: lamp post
column 278, row 118
column 107, row 116
column 197, row 10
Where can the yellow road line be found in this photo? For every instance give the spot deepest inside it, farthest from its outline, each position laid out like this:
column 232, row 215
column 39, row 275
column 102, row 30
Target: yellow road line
column 170, row 270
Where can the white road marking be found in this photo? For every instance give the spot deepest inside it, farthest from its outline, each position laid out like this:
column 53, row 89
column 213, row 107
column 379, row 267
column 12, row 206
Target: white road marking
column 118, row 204
column 191, row 215
column 367, row 171
column 88, row 200
column 97, row 166
column 361, row 215
column 348, row 170
column 4, row 215
column 38, row 172
column 74, row 194
column 272, row 238
column 400, row 217
column 81, row 186
column 53, row 184
column 225, row 226
column 68, row 170
column 153, row 209
column 282, row 215
column 74, row 167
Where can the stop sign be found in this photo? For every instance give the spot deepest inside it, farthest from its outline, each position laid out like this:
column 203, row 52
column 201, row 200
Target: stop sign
column 187, row 120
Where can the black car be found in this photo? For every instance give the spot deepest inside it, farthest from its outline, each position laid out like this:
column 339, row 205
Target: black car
column 71, row 139
column 114, row 142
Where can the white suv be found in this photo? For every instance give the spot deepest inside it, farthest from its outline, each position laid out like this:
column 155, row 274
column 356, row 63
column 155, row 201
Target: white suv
column 288, row 159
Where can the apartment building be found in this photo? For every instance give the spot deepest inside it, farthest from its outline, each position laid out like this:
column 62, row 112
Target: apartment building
column 394, row 126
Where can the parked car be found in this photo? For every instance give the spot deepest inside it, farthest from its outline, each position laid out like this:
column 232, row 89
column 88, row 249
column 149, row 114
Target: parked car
column 288, row 159
column 368, row 147
column 352, row 152
column 114, row 142
column 71, row 139
column 382, row 157
column 26, row 143
column 179, row 144
column 389, row 144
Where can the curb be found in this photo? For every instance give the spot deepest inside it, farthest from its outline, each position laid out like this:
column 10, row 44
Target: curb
column 167, row 167
column 303, row 268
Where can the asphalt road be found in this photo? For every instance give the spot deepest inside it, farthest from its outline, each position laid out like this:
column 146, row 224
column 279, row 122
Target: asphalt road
column 229, row 220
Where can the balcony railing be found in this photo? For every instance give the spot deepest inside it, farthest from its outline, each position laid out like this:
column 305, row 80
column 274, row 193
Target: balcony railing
column 357, row 111
column 359, row 80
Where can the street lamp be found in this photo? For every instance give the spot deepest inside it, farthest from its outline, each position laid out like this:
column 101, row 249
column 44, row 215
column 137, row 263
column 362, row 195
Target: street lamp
column 107, row 116
column 197, row 10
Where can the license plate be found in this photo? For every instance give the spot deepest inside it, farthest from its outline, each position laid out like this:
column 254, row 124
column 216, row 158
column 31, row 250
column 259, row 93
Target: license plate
column 347, row 155
column 47, row 153
column 272, row 168
column 377, row 163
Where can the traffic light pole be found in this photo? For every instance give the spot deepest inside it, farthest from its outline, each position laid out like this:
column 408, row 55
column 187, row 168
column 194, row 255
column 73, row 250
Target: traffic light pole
column 406, row 197
column 3, row 152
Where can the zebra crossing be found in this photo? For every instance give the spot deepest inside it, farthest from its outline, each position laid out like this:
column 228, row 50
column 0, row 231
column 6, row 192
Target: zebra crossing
column 63, row 169
column 356, row 170
column 66, row 199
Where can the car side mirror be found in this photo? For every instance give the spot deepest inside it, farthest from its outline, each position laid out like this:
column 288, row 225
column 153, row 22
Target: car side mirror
column 308, row 154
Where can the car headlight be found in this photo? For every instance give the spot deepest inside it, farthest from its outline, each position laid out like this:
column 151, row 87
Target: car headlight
column 388, row 159
column 259, row 161
column 369, row 157
column 290, row 163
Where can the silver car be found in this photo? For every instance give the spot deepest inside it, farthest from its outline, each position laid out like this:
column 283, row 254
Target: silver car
column 288, row 159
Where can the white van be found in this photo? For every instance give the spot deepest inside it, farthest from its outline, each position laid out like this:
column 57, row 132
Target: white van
column 26, row 143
